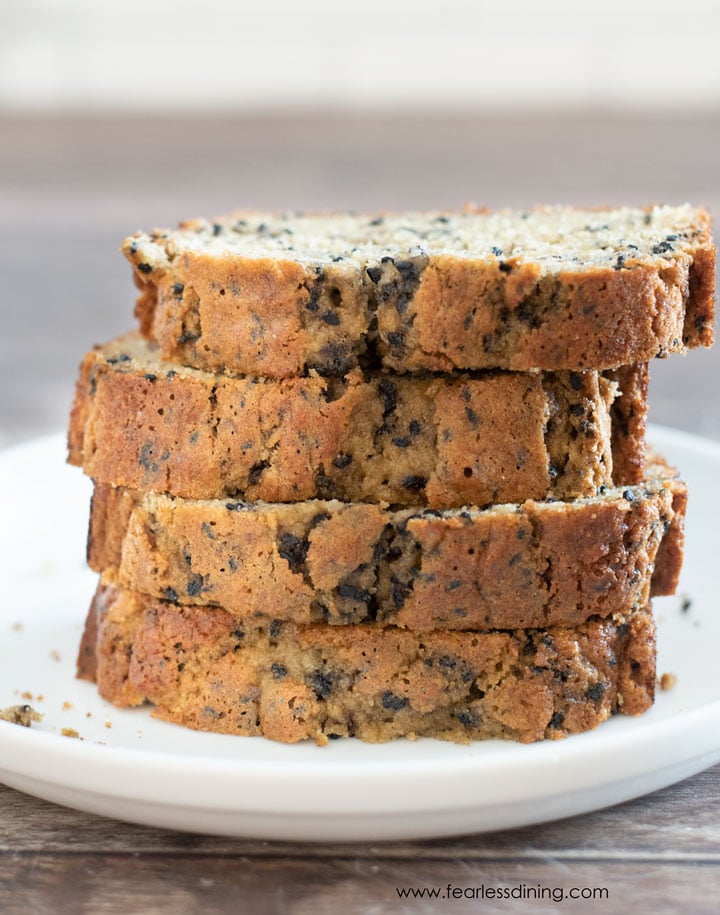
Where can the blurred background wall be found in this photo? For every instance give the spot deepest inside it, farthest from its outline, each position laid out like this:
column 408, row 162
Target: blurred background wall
column 116, row 116
column 378, row 55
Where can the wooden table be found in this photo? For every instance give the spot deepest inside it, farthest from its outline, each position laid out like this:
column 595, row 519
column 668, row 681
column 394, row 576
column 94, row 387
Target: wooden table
column 70, row 190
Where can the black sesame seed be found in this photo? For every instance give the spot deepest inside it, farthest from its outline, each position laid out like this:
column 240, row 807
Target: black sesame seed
column 414, row 482
column 467, row 718
column 392, row 702
column 321, row 682
column 596, row 691
column 398, row 591
column 374, row 273
column 329, row 317
column 557, row 720
column 576, row 381
column 256, row 471
column 408, row 270
column 324, row 483
column 401, row 442
column 360, row 595
column 342, row 460
column 662, row 248
column 178, row 288
column 388, row 393
column 144, row 268
column 318, row 519
column 335, row 359
column 171, row 595
column 293, row 550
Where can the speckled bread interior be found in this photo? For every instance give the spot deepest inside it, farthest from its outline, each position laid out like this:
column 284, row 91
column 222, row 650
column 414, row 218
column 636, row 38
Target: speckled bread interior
column 439, row 440
column 531, row 564
column 204, row 668
column 386, row 476
column 550, row 288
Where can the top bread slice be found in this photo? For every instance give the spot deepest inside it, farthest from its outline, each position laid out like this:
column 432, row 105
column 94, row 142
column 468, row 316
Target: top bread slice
column 550, row 288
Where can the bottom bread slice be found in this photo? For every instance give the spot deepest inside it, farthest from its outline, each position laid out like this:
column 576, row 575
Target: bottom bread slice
column 205, row 668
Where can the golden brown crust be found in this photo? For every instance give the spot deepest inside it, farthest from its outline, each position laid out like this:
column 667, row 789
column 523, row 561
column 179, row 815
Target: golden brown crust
column 534, row 564
column 500, row 437
column 206, row 669
column 669, row 559
column 629, row 421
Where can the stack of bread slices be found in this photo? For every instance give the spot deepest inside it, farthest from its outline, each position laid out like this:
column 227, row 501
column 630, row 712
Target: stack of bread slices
column 386, row 476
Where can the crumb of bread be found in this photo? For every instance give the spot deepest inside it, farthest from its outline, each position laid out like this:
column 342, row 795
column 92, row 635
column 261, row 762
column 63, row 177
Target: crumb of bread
column 55, row 655
column 69, row 732
column 108, row 724
column 67, row 705
column 17, row 627
column 26, row 695
column 668, row 681
column 24, row 715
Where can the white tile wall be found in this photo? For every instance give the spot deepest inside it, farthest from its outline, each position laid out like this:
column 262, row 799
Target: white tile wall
column 279, row 54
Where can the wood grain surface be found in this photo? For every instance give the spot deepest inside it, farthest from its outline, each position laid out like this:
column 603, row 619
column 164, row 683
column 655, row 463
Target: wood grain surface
column 70, row 190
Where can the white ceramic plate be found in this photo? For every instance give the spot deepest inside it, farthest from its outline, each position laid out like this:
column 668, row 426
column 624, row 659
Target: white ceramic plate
column 129, row 766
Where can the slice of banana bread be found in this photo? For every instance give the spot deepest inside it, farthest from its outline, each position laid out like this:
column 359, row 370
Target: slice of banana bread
column 550, row 288
column 510, row 566
column 441, row 441
column 207, row 669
